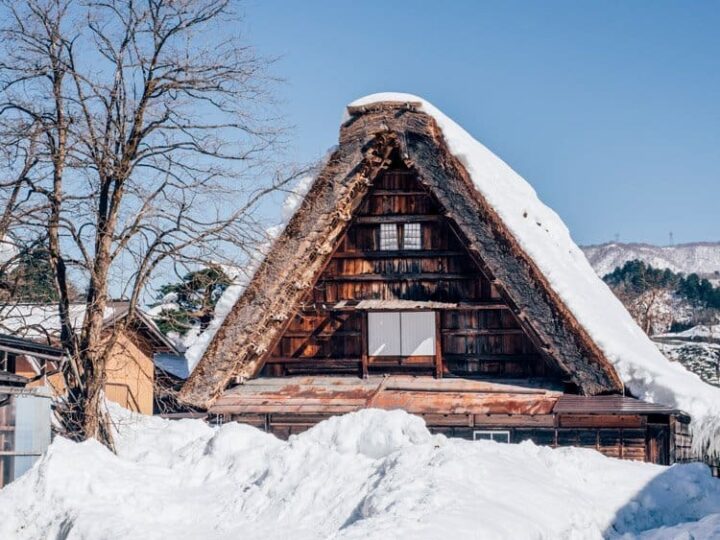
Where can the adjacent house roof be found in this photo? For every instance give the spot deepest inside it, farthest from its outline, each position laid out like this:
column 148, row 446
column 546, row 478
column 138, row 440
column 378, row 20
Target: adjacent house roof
column 173, row 364
column 521, row 244
column 41, row 322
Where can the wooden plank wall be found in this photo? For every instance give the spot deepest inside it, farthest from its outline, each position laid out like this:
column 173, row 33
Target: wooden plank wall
column 483, row 339
column 620, row 436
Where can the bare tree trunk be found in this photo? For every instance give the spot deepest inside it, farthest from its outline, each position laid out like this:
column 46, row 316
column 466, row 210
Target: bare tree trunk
column 153, row 148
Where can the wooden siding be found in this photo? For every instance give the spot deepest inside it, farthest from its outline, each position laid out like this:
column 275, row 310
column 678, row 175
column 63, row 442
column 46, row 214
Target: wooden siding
column 638, row 442
column 487, row 341
column 130, row 373
column 457, row 407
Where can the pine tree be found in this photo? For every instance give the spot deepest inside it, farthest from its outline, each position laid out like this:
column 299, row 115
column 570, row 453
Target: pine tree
column 29, row 279
column 191, row 301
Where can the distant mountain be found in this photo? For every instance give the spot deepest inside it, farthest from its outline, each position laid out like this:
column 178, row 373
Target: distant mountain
column 701, row 258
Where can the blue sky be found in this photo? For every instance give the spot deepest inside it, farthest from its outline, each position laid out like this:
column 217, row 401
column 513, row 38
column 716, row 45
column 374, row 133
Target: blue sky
column 611, row 110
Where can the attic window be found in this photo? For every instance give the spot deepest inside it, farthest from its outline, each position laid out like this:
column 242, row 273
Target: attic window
column 411, row 236
column 391, row 238
column 388, row 237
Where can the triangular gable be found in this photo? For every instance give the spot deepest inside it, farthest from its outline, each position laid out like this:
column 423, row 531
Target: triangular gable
column 300, row 254
column 477, row 332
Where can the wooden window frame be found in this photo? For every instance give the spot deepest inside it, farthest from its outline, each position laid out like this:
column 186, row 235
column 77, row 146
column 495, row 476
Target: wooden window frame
column 505, row 433
column 404, row 314
column 385, row 235
column 408, row 231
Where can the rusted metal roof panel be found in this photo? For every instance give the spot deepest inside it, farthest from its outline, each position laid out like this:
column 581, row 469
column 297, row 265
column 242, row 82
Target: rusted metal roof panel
column 418, row 395
column 608, row 404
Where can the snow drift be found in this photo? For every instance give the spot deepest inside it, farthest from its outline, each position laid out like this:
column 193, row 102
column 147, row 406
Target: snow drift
column 370, row 474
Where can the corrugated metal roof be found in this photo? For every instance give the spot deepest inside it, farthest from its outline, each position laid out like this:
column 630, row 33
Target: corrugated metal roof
column 419, row 395
column 608, row 404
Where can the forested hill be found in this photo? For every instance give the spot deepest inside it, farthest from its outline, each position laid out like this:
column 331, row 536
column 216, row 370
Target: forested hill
column 701, row 258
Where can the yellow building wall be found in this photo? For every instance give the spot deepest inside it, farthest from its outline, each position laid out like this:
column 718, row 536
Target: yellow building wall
column 131, row 374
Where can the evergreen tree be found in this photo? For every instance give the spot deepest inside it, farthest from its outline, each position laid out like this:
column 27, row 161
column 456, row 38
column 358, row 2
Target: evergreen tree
column 191, row 301
column 636, row 277
column 29, row 279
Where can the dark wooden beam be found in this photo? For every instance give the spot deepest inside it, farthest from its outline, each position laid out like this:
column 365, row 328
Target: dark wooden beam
column 490, row 357
column 403, row 277
column 463, row 306
column 364, row 345
column 398, row 254
column 339, row 333
column 399, row 193
column 398, row 218
column 305, row 359
column 484, row 331
column 438, row 347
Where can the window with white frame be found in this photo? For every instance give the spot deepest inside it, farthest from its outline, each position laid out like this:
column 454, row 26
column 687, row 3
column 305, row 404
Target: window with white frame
column 412, row 236
column 388, row 237
column 406, row 333
column 496, row 435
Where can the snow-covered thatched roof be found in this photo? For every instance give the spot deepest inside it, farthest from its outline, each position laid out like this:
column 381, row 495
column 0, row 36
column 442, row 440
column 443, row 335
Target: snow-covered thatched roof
column 608, row 334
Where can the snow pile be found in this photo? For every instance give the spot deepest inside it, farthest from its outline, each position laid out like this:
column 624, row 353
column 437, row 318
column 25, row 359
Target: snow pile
column 546, row 239
column 370, row 474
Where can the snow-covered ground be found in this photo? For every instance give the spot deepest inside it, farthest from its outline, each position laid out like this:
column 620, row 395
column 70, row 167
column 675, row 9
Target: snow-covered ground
column 370, row 474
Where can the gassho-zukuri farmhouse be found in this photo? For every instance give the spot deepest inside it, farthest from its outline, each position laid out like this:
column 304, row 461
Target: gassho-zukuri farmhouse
column 420, row 272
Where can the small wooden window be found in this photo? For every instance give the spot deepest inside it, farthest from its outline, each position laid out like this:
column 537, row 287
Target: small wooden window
column 388, row 237
column 412, row 236
column 496, row 435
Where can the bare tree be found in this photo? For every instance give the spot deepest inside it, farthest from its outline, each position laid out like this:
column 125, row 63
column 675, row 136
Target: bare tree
column 146, row 134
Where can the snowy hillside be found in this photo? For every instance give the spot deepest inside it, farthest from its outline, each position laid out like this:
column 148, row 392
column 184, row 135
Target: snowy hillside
column 700, row 258
column 371, row 474
column 697, row 348
column 700, row 358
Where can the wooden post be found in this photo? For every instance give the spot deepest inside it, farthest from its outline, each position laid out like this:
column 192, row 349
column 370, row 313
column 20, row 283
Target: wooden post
column 364, row 345
column 438, row 347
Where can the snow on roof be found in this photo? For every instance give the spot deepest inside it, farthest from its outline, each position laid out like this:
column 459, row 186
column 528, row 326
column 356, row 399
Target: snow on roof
column 41, row 322
column 174, row 364
column 8, row 251
column 546, row 240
